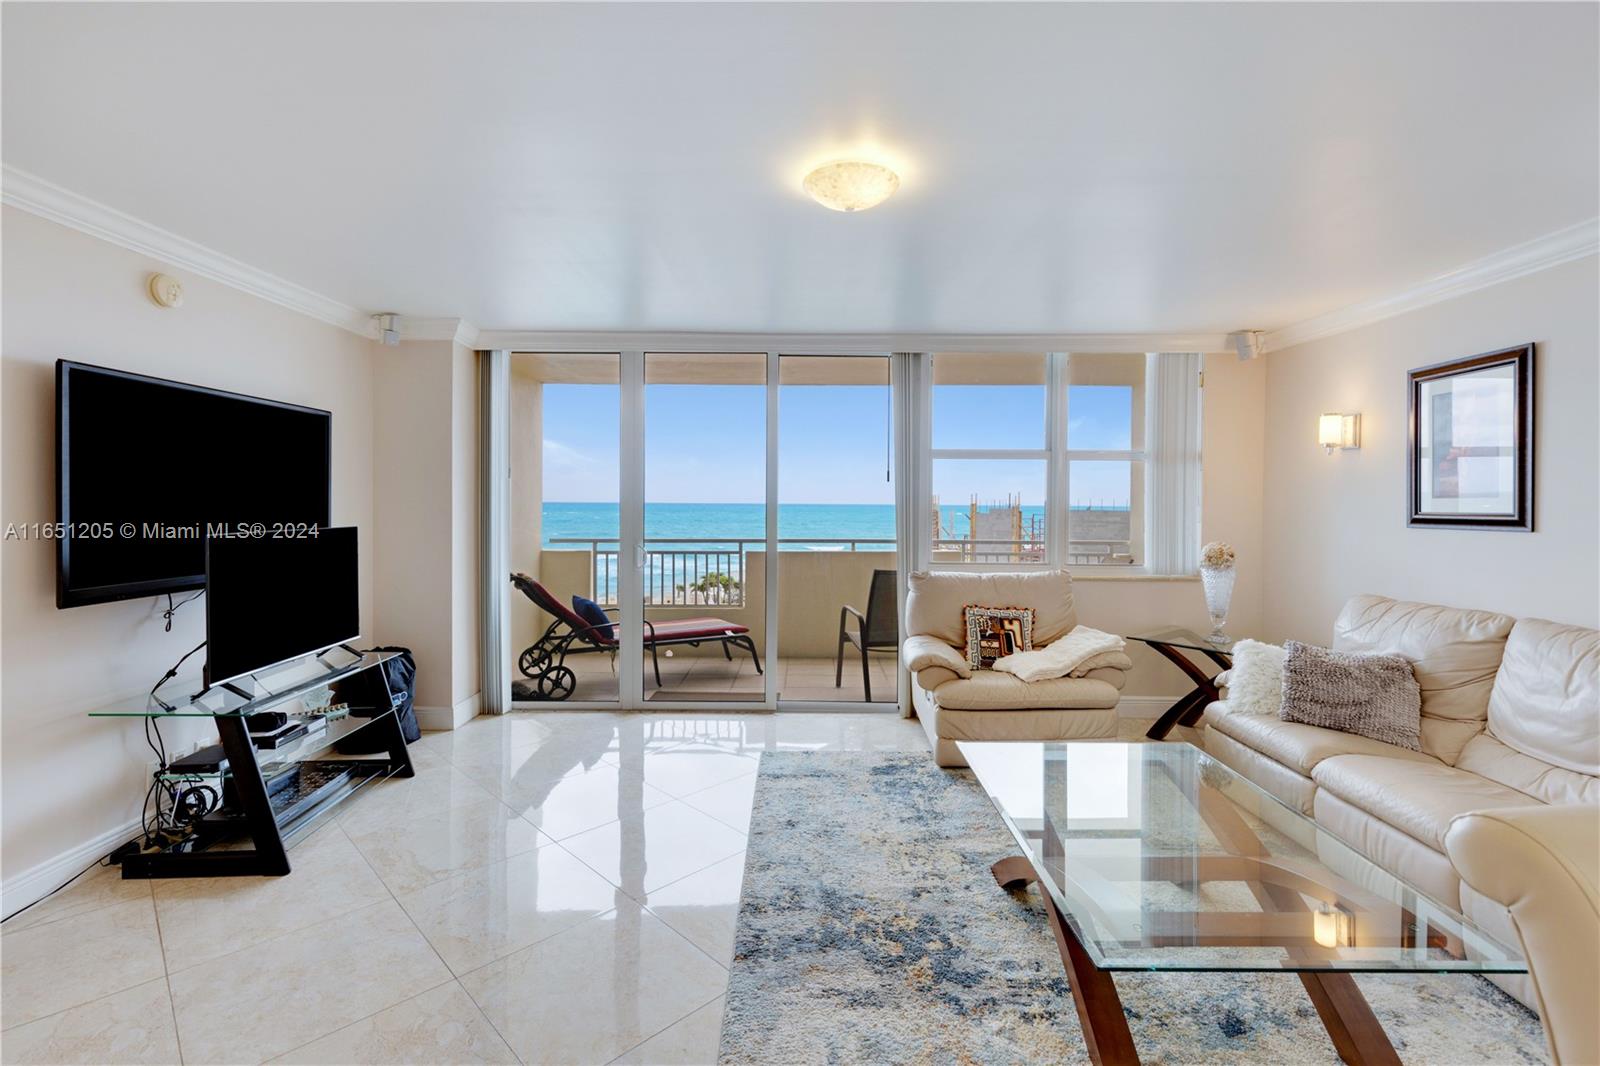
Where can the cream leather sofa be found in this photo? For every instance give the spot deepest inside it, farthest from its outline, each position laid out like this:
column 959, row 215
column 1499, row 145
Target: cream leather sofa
column 1510, row 734
column 1542, row 864
column 954, row 702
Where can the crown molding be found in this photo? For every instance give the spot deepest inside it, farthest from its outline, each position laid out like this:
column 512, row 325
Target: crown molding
column 849, row 343
column 457, row 330
column 31, row 193
column 1563, row 246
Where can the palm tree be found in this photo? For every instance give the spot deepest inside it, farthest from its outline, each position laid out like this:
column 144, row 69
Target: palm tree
column 714, row 587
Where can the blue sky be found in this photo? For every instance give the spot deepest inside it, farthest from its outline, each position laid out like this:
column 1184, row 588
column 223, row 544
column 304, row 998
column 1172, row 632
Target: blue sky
column 704, row 443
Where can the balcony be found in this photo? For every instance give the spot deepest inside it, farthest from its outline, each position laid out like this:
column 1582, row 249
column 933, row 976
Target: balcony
column 817, row 576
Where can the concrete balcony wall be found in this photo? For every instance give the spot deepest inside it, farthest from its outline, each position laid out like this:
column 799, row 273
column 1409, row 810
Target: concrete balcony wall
column 813, row 587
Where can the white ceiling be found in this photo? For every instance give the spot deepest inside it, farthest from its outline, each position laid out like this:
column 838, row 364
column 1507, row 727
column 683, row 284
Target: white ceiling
column 1087, row 168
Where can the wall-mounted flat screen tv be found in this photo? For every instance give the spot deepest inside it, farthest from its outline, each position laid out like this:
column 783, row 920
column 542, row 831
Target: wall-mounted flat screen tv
column 270, row 600
column 147, row 468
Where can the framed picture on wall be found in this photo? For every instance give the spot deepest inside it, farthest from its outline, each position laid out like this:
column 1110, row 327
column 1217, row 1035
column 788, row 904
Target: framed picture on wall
column 1470, row 453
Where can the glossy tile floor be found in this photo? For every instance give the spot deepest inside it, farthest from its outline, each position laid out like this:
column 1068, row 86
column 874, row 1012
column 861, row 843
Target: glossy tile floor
column 555, row 887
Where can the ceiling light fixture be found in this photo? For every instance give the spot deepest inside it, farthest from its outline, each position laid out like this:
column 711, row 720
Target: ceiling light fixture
column 851, row 185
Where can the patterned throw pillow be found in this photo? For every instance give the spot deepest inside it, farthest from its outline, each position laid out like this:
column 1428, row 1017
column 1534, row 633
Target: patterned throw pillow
column 1372, row 696
column 993, row 632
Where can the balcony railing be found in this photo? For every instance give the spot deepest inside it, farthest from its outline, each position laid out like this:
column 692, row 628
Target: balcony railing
column 711, row 571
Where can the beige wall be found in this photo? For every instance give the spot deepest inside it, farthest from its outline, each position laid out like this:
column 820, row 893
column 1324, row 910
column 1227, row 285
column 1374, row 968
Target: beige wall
column 414, row 571
column 426, row 509
column 465, row 548
column 1335, row 525
column 70, row 781
column 525, row 498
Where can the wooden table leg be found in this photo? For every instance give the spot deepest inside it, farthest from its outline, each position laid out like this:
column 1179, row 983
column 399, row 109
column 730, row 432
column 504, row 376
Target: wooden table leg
column 1174, row 714
column 1014, row 871
column 1187, row 711
column 1094, row 993
column 1357, row 1034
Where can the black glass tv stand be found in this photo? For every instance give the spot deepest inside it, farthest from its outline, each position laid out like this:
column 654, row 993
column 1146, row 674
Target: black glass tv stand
column 275, row 795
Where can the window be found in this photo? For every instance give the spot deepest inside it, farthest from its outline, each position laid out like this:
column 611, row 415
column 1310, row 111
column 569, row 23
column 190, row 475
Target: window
column 1063, row 459
column 1105, row 412
column 990, row 459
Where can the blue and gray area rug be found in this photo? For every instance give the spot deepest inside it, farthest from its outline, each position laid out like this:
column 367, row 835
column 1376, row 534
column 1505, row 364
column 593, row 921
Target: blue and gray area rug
column 870, row 931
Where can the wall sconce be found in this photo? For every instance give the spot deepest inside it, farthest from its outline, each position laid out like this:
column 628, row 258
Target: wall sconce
column 1332, row 927
column 1339, row 431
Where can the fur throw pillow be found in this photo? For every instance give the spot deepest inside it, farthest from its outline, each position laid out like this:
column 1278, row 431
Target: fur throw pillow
column 1372, row 696
column 1255, row 681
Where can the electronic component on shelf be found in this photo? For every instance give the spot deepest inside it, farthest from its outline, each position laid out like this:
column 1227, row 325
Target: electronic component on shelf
column 208, row 760
column 280, row 736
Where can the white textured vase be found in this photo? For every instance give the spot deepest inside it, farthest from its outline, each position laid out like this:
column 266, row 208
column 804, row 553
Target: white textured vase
column 1218, row 585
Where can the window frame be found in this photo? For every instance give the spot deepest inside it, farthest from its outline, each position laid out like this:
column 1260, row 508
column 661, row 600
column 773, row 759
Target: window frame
column 1058, row 455
column 1054, row 416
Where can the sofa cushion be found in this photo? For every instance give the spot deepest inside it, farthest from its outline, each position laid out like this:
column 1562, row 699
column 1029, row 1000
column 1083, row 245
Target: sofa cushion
column 1116, row 676
column 1488, row 757
column 1293, row 789
column 931, row 677
column 921, row 652
column 1398, row 852
column 935, row 599
column 1546, row 698
column 1368, row 695
column 1416, row 798
column 990, row 690
column 1454, row 654
column 1302, row 747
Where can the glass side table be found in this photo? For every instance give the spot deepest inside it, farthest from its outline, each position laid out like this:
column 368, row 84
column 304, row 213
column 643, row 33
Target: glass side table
column 1172, row 642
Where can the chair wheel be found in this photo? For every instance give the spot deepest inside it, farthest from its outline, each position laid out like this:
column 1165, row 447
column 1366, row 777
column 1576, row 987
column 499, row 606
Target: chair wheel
column 557, row 683
column 533, row 661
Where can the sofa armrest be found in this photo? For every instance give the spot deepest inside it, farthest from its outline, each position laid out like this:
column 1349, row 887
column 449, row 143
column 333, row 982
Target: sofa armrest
column 918, row 652
column 1542, row 863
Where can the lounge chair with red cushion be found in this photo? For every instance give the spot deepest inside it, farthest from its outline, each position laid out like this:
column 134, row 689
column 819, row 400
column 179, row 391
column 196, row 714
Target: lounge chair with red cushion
column 544, row 661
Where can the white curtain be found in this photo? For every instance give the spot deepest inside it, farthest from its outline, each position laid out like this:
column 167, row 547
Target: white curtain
column 1172, row 426
column 913, row 494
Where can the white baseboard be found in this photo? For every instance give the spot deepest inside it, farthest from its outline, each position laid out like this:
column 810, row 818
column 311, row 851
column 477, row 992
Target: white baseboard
column 35, row 884
column 466, row 710
column 1144, row 706
column 443, row 718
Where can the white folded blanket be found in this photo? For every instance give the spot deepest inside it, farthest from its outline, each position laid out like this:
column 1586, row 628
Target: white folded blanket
column 1063, row 657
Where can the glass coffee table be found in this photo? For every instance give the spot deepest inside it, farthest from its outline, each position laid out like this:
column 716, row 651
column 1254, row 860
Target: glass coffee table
column 1171, row 643
column 1158, row 857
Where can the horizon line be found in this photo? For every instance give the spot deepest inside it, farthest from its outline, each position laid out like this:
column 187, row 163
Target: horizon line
column 814, row 503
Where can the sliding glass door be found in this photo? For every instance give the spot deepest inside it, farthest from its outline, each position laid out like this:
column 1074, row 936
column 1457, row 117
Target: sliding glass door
column 564, row 527
column 704, row 586
column 838, row 587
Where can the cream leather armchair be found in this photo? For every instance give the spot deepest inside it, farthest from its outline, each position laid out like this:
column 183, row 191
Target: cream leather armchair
column 1542, row 864
column 956, row 703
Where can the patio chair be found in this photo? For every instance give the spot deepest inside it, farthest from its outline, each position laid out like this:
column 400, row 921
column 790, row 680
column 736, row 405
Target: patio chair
column 544, row 661
column 877, row 630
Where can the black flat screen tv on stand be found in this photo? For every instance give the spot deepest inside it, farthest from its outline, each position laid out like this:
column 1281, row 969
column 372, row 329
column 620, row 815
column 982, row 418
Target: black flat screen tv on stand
column 270, row 600
column 147, row 468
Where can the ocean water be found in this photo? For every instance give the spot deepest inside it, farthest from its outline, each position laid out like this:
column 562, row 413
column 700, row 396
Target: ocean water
column 809, row 525
column 701, row 535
